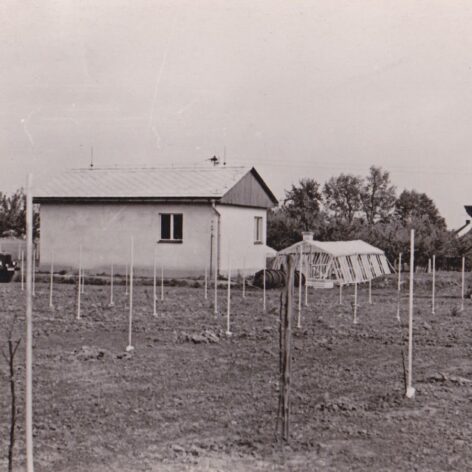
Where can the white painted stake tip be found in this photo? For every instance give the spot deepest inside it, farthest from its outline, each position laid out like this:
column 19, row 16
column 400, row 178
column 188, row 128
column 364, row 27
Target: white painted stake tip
column 111, row 304
column 129, row 348
column 410, row 392
column 229, row 333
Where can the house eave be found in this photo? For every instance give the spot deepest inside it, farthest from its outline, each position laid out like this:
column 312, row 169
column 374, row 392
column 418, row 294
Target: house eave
column 98, row 200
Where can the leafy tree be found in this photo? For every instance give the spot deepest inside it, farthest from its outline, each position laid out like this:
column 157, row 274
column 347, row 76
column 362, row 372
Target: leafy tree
column 342, row 196
column 412, row 206
column 378, row 195
column 303, row 204
column 13, row 215
column 282, row 231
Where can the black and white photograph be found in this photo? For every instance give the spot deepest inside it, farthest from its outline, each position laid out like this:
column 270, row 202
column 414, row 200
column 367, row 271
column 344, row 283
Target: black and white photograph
column 235, row 235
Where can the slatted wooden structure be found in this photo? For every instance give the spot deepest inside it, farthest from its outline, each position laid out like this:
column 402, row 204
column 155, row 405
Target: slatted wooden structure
column 342, row 262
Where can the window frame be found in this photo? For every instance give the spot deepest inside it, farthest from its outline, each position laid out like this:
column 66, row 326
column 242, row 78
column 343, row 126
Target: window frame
column 258, row 230
column 171, row 239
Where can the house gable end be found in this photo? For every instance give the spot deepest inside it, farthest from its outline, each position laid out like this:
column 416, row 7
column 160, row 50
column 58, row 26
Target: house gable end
column 250, row 191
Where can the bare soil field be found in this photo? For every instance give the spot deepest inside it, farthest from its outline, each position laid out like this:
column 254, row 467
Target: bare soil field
column 189, row 398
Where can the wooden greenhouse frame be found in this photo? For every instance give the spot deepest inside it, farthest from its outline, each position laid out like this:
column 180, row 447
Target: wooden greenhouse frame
column 325, row 263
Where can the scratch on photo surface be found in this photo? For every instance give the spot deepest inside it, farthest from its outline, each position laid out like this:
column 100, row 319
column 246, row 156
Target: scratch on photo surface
column 25, row 123
column 160, row 71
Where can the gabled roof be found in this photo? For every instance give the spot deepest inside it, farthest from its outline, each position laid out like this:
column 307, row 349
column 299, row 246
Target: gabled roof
column 146, row 184
column 334, row 248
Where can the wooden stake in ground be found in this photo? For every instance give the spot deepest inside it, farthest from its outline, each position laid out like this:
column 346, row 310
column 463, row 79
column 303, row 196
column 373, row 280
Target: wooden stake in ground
column 79, row 283
column 130, row 326
column 51, row 281
column 264, row 290
column 244, row 278
column 355, row 302
column 429, row 266
column 285, row 334
column 29, row 328
column 463, row 284
column 10, row 359
column 215, row 291
column 399, row 285
column 112, row 303
column 22, row 271
column 228, row 307
column 410, row 391
column 34, row 272
column 306, row 280
column 433, row 294
column 340, row 293
column 370, row 291
column 154, row 286
column 206, row 283
column 162, row 283
column 299, row 318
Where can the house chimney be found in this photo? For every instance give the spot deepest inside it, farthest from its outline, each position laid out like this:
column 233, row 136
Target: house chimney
column 307, row 235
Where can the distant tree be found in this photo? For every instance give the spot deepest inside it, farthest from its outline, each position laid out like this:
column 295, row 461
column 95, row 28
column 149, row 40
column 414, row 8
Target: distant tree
column 378, row 196
column 13, row 215
column 282, row 231
column 342, row 196
column 412, row 206
column 302, row 203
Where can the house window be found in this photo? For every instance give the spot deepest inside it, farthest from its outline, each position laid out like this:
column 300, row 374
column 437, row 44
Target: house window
column 258, row 229
column 171, row 227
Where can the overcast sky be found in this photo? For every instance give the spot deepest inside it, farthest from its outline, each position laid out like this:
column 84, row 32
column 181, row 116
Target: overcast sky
column 295, row 88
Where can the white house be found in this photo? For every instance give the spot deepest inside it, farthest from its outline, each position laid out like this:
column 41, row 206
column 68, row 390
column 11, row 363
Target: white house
column 190, row 219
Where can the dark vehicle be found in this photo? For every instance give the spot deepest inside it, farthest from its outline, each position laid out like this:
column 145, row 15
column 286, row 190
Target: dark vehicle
column 7, row 267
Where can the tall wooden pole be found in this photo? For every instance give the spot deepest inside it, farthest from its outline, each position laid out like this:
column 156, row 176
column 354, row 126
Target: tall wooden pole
column 433, row 295
column 463, row 284
column 410, row 391
column 29, row 328
column 131, row 271
column 399, row 285
column 299, row 318
column 285, row 352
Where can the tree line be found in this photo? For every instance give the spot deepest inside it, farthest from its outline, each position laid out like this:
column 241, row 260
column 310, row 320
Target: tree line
column 350, row 207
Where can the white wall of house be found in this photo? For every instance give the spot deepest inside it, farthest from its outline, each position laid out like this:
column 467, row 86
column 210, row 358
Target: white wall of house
column 238, row 245
column 104, row 231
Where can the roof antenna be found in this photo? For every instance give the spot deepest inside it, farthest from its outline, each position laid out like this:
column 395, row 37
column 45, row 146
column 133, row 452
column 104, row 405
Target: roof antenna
column 214, row 160
column 91, row 158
